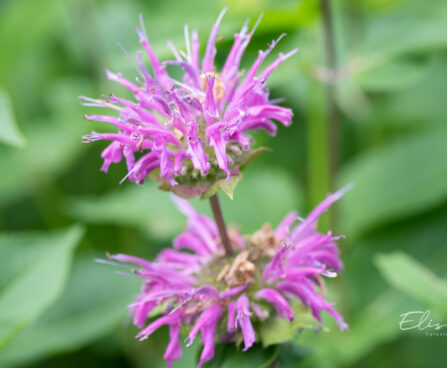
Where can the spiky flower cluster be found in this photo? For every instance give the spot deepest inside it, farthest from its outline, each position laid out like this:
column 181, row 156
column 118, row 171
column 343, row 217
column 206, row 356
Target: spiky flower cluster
column 193, row 131
column 191, row 136
column 222, row 297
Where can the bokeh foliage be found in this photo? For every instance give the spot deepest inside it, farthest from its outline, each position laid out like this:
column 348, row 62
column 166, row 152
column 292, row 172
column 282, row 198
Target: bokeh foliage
column 58, row 308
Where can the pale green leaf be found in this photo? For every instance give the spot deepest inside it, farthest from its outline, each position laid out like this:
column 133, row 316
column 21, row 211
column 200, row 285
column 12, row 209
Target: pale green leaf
column 277, row 330
column 395, row 75
column 372, row 326
column 92, row 305
column 229, row 187
column 53, row 144
column 9, row 131
column 144, row 207
column 395, row 181
column 37, row 266
column 421, row 104
column 414, row 279
column 413, row 28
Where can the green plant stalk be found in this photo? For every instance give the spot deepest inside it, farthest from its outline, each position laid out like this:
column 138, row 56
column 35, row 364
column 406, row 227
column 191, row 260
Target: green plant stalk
column 318, row 149
column 323, row 127
column 331, row 133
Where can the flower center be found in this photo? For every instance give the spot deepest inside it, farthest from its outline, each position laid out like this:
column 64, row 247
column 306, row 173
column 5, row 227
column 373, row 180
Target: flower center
column 218, row 88
column 248, row 264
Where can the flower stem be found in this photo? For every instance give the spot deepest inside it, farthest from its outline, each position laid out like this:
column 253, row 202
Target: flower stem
column 218, row 216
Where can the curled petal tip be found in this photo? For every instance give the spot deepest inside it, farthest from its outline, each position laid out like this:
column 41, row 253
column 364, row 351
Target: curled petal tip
column 222, row 13
column 110, row 75
column 340, row 193
column 292, row 52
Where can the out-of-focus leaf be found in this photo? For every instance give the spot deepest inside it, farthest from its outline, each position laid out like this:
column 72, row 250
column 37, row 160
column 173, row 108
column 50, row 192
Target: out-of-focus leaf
column 290, row 355
column 229, row 356
column 352, row 100
column 262, row 196
column 34, row 271
column 409, row 29
column 372, row 327
column 52, row 145
column 375, row 325
column 397, row 74
column 93, row 304
column 279, row 15
column 395, row 181
column 278, row 330
column 14, row 40
column 9, row 131
column 411, row 277
column 381, row 61
column 424, row 237
column 144, row 207
column 420, row 105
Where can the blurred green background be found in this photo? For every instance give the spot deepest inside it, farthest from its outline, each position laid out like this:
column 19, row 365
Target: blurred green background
column 58, row 211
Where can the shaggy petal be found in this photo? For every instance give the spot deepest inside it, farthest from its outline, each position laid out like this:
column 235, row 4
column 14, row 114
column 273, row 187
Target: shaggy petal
column 209, row 317
column 165, row 320
column 174, row 350
column 244, row 322
column 278, row 301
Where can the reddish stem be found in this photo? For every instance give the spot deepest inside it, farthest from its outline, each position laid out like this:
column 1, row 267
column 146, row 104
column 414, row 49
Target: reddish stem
column 218, row 216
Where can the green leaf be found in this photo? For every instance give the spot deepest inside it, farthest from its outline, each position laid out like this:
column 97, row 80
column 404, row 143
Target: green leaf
column 394, row 181
column 394, row 75
column 53, row 144
column 411, row 277
column 14, row 42
column 144, row 207
column 9, row 131
column 278, row 330
column 229, row 356
column 91, row 306
column 421, row 105
column 372, row 326
column 227, row 187
column 414, row 28
column 213, row 189
column 291, row 355
column 34, row 271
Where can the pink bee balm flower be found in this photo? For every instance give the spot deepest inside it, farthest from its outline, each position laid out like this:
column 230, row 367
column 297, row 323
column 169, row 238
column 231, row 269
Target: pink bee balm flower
column 191, row 132
column 222, row 297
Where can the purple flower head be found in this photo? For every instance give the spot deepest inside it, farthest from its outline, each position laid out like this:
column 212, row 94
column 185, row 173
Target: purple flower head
column 193, row 132
column 227, row 298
